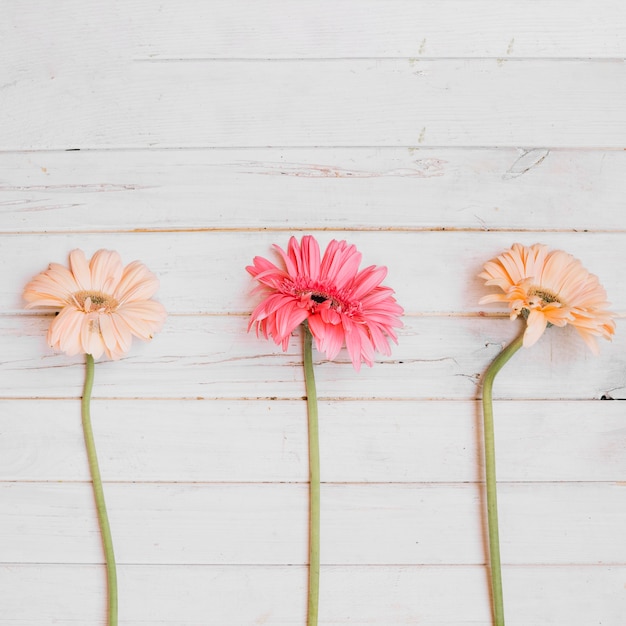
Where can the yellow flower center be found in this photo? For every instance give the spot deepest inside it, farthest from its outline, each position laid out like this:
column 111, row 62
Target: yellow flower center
column 538, row 296
column 95, row 302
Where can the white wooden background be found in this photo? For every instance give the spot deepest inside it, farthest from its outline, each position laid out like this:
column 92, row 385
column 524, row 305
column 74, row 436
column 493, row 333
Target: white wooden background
column 192, row 135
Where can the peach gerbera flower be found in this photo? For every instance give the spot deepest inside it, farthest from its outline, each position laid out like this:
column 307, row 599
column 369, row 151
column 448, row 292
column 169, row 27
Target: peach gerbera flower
column 549, row 288
column 101, row 304
column 340, row 303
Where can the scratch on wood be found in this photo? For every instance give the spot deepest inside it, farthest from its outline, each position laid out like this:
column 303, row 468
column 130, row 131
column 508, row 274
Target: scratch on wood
column 424, row 168
column 14, row 202
column 509, row 50
column 89, row 187
column 526, row 162
column 47, row 207
column 442, row 359
column 482, row 222
column 473, row 377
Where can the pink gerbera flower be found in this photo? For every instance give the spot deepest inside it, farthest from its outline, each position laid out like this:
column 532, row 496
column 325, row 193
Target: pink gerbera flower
column 341, row 304
column 101, row 304
column 549, row 287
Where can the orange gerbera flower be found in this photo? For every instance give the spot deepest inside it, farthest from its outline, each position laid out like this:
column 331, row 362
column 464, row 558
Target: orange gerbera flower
column 101, row 304
column 549, row 288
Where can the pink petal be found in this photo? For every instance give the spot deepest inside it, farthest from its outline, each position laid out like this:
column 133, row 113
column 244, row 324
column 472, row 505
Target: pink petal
column 368, row 279
column 310, row 252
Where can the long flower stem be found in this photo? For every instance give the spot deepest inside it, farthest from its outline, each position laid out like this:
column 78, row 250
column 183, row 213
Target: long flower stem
column 490, row 474
column 103, row 519
column 314, row 478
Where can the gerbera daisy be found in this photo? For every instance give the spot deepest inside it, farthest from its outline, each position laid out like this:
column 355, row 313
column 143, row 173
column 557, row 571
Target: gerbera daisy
column 101, row 304
column 549, row 288
column 341, row 304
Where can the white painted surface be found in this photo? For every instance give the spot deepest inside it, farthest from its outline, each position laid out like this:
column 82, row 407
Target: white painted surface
column 433, row 135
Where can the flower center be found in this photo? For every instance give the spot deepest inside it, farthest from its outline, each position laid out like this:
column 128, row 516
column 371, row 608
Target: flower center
column 95, row 302
column 318, row 297
column 538, row 296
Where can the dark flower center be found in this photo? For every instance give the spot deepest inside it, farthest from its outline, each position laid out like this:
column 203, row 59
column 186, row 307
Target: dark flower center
column 317, row 295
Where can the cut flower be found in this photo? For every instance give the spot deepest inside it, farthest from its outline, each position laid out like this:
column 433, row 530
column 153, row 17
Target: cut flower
column 101, row 304
column 341, row 304
column 549, row 287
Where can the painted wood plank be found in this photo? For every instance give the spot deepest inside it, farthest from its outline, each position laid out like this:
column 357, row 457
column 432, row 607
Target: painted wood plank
column 204, row 272
column 540, row 523
column 304, row 188
column 273, row 29
column 265, row 441
column 370, row 102
column 213, row 595
column 276, row 29
column 214, row 357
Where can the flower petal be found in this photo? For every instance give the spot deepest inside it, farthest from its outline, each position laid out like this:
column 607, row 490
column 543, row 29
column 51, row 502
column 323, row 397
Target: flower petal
column 80, row 269
column 537, row 323
column 106, row 270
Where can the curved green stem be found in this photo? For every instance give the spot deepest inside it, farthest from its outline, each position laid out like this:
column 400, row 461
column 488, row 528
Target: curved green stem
column 103, row 519
column 314, row 477
column 490, row 474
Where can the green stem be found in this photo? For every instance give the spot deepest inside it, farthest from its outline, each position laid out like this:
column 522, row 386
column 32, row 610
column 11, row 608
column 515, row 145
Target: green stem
column 490, row 473
column 314, row 477
column 103, row 519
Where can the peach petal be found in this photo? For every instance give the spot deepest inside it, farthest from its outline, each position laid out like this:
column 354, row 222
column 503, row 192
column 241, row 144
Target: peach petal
column 137, row 283
column 106, row 270
column 536, row 325
column 90, row 337
column 80, row 269
column 64, row 331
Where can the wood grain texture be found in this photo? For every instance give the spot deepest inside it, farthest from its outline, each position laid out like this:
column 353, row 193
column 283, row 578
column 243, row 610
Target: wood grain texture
column 265, row 441
column 204, row 272
column 379, row 102
column 436, row 358
column 235, row 595
column 276, row 29
column 396, row 28
column 411, row 524
column 313, row 188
